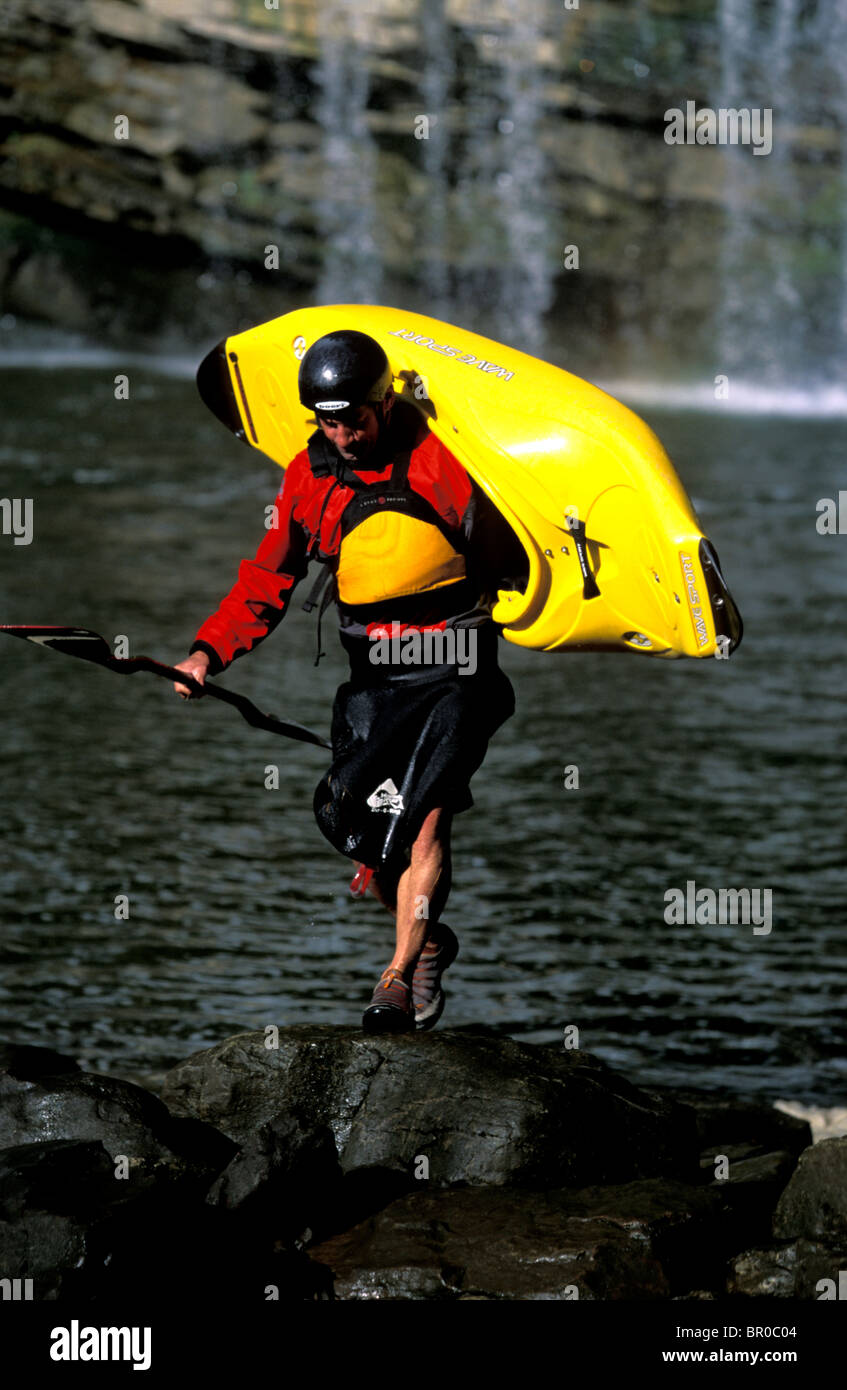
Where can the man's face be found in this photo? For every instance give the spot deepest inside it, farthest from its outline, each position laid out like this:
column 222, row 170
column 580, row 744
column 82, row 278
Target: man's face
column 356, row 437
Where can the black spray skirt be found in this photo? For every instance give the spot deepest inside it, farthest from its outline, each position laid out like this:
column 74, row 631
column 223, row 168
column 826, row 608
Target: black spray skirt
column 405, row 741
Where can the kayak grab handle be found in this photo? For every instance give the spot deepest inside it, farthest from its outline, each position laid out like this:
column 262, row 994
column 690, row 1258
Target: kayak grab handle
column 589, row 584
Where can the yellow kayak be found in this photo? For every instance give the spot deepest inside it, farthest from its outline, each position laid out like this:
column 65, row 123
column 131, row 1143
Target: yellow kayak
column 617, row 558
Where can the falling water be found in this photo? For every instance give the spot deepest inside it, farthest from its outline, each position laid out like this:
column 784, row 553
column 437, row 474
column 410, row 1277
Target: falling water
column 437, row 89
column 786, row 299
column 345, row 204
column 719, row 260
column 526, row 286
column 775, row 321
column 836, row 35
column 737, row 30
column 506, row 247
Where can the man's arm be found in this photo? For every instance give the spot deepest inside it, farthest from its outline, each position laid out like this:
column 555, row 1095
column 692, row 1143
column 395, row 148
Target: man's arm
column 258, row 600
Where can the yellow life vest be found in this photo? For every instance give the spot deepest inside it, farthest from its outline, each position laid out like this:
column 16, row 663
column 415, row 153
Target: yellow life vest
column 390, row 555
column 393, row 542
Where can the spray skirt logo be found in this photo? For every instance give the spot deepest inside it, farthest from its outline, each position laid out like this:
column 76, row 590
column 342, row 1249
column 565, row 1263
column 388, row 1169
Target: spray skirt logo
column 386, row 798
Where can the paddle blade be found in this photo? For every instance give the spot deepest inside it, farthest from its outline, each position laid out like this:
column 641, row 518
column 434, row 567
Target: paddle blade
column 72, row 641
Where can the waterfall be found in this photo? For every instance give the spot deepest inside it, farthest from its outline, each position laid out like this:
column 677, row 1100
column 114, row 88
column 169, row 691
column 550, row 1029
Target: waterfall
column 736, row 21
column 545, row 131
column 437, row 88
column 787, row 301
column 345, row 207
column 506, row 252
column 834, row 32
column 774, row 317
column 529, row 271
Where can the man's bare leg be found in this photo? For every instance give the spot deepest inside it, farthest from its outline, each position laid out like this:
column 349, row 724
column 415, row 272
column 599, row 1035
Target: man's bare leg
column 421, row 890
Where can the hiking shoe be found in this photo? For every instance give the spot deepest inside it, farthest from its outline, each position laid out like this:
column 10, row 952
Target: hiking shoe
column 438, row 954
column 390, row 1009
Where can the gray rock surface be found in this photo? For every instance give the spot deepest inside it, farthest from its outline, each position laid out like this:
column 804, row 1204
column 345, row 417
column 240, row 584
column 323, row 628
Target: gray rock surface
column 451, row 1166
column 793, row 1269
column 479, row 1107
column 751, row 1192
column 814, row 1204
column 643, row 1240
column 40, row 1105
column 285, row 1175
column 71, row 1226
column 81, row 1235
column 729, row 1124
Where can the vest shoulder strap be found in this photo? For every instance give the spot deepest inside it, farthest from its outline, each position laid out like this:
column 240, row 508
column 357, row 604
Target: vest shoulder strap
column 394, row 493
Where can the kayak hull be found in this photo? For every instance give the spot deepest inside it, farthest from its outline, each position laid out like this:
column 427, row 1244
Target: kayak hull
column 616, row 557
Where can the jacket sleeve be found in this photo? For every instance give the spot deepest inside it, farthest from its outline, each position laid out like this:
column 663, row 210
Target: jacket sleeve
column 259, row 599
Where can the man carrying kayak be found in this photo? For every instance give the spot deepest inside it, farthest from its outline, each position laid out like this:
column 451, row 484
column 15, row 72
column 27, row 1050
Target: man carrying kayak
column 416, row 552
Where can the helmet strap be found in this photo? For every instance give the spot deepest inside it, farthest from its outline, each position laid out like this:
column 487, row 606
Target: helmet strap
column 383, row 412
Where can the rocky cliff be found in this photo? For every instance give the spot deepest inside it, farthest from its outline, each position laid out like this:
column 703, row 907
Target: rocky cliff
column 182, row 169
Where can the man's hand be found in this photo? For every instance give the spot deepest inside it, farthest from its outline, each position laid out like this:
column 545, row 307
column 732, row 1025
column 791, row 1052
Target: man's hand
column 197, row 666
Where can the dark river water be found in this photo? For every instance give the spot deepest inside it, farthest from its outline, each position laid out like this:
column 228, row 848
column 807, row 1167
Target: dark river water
column 726, row 773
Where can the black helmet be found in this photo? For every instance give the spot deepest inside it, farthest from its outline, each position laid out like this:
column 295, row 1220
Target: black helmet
column 342, row 371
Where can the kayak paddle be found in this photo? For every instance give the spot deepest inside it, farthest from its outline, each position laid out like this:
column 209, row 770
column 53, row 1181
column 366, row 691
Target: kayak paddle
column 90, row 646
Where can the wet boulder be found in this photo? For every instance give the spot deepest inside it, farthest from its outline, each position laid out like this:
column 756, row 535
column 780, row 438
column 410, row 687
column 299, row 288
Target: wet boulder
column 729, row 1124
column 47, row 1192
column 751, row 1190
column 79, row 1234
column 101, row 1189
column 809, row 1253
column 805, row 1269
column 814, row 1204
column 45, row 1097
column 470, row 1105
column 285, row 1178
column 644, row 1240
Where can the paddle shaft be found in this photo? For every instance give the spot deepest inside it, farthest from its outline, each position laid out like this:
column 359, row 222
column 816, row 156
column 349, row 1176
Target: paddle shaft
column 245, row 707
column 90, row 646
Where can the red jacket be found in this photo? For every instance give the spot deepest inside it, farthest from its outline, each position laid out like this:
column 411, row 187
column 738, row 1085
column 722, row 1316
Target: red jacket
column 261, row 596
